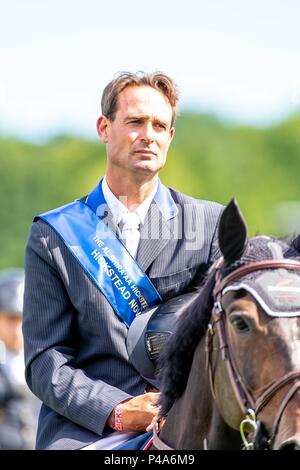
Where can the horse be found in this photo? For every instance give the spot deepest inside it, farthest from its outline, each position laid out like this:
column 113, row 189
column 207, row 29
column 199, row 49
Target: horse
column 230, row 373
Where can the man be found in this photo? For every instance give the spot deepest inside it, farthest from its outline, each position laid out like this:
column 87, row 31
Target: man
column 83, row 287
column 18, row 407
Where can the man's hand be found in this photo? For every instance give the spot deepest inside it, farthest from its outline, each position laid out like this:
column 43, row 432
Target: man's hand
column 137, row 413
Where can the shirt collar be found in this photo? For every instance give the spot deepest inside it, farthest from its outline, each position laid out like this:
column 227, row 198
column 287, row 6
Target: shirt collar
column 118, row 209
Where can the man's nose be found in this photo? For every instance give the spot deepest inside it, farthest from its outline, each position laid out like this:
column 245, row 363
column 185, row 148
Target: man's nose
column 148, row 132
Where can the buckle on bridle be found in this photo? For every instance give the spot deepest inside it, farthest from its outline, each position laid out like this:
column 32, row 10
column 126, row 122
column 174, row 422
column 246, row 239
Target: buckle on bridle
column 218, row 308
column 249, row 421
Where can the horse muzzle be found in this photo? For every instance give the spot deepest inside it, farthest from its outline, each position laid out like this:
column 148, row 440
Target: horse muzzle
column 292, row 443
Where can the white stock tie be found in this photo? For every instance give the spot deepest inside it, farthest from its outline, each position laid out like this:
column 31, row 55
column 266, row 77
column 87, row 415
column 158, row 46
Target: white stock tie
column 130, row 231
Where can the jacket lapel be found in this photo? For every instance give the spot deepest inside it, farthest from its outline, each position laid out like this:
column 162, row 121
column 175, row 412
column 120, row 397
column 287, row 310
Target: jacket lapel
column 155, row 234
column 109, row 220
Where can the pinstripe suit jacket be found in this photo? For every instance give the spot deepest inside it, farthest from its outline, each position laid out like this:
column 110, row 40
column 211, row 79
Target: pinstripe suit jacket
column 75, row 351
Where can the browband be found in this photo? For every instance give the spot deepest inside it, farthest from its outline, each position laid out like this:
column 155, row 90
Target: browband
column 291, row 265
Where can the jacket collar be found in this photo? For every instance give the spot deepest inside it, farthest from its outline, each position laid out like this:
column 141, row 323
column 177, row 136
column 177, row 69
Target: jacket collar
column 163, row 198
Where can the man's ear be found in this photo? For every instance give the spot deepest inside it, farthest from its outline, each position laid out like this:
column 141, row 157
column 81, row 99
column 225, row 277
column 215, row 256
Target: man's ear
column 172, row 132
column 102, row 126
column 232, row 233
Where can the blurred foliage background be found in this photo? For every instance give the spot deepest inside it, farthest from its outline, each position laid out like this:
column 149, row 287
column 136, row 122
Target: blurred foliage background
column 208, row 159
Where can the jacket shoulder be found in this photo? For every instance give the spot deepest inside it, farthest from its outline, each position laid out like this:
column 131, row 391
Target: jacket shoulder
column 213, row 207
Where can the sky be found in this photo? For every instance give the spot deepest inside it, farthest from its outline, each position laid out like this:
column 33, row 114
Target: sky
column 237, row 59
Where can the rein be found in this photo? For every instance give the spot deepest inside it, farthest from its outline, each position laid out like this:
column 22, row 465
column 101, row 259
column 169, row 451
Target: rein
column 158, row 443
column 250, row 406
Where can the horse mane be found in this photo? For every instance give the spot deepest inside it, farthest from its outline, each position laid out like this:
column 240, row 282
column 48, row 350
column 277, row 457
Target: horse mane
column 176, row 358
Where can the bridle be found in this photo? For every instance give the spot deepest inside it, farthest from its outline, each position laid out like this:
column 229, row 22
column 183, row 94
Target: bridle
column 250, row 406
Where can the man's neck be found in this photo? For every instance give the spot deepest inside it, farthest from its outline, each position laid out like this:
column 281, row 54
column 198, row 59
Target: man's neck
column 131, row 192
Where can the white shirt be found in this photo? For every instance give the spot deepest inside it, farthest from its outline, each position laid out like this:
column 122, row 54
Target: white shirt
column 130, row 234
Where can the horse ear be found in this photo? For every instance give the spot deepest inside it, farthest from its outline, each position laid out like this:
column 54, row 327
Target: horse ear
column 232, row 233
column 296, row 243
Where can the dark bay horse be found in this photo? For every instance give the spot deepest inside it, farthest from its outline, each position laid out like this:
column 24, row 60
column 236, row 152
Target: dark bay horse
column 231, row 371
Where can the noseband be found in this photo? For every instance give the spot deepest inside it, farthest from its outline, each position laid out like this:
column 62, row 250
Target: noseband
column 250, row 406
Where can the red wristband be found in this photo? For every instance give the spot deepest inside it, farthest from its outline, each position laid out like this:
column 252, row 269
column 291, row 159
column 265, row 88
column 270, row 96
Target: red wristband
column 118, row 419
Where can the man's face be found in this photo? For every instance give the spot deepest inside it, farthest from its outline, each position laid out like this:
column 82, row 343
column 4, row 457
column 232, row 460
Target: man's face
column 11, row 331
column 139, row 137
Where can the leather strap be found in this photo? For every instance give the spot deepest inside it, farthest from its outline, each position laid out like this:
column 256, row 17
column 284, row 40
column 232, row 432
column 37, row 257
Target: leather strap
column 158, row 443
column 291, row 264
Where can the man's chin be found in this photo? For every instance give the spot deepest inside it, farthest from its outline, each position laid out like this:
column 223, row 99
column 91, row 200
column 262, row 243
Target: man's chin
column 147, row 168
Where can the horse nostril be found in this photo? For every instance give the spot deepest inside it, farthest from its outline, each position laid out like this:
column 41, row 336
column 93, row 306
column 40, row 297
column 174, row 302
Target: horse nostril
column 290, row 445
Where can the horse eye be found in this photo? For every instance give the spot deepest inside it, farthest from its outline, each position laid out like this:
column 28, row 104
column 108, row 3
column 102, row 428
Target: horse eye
column 239, row 323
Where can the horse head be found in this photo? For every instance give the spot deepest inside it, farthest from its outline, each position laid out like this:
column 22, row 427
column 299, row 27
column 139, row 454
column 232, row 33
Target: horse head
column 251, row 350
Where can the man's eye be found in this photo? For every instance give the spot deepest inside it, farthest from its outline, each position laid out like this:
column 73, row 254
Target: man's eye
column 160, row 126
column 135, row 122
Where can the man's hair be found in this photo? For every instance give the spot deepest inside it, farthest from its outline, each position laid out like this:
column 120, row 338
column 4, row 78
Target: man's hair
column 157, row 80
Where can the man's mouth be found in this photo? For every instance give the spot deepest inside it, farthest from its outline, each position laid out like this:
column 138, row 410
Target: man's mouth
column 146, row 152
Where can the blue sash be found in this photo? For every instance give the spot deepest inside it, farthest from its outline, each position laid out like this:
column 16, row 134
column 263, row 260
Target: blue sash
column 103, row 256
column 136, row 443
